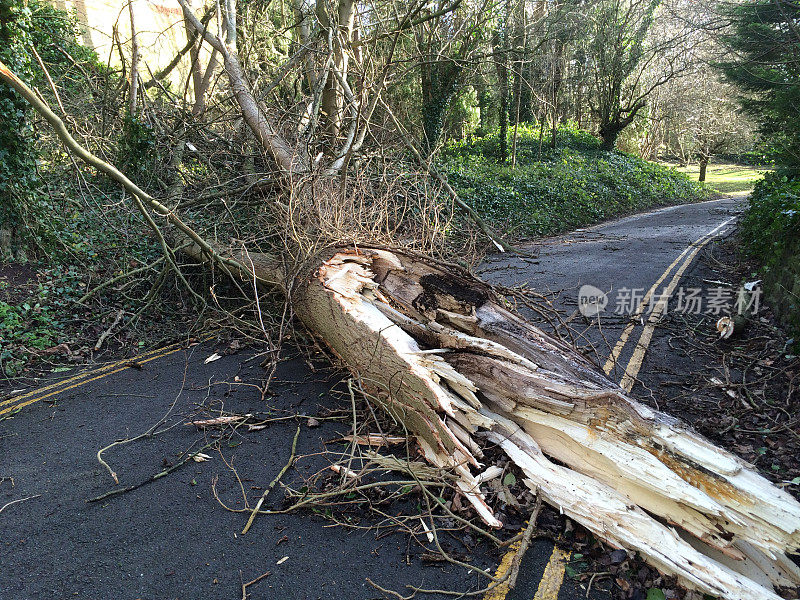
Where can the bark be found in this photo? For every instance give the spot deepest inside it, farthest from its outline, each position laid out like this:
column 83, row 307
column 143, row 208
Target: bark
column 134, row 83
column 703, row 168
column 441, row 353
column 340, row 25
column 501, row 65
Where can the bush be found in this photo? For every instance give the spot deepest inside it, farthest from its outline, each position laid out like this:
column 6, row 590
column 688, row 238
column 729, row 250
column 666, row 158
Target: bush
column 554, row 190
column 772, row 219
column 27, row 213
column 770, row 235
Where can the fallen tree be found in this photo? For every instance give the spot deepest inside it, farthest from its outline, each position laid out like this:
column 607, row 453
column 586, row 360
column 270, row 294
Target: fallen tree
column 442, row 354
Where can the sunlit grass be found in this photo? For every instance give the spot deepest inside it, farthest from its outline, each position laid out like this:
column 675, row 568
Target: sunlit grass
column 726, row 178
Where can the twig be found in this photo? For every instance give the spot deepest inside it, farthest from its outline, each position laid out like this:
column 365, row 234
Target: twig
column 7, row 504
column 524, row 544
column 501, row 244
column 106, row 333
column 49, row 79
column 155, row 477
column 389, row 592
column 272, row 484
column 249, row 583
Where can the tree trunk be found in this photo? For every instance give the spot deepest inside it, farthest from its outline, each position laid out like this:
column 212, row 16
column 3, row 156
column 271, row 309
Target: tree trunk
column 608, row 136
column 134, row 81
column 703, row 168
column 438, row 84
column 484, row 108
column 501, row 63
column 439, row 352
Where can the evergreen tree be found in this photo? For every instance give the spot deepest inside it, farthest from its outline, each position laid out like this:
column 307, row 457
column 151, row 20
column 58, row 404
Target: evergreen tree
column 765, row 40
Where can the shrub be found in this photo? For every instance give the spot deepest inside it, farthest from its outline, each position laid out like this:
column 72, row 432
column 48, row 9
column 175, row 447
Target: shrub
column 770, row 235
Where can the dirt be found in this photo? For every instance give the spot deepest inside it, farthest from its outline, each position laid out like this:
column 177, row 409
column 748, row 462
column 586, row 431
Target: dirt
column 741, row 393
column 17, row 281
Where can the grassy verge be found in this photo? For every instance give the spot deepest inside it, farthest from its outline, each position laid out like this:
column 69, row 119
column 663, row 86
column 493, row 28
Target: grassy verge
column 729, row 179
column 554, row 190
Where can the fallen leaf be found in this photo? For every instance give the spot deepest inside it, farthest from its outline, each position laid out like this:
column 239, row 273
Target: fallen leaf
column 212, row 358
column 618, row 556
column 725, row 326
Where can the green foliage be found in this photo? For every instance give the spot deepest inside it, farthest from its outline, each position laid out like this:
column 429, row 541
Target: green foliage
column 766, row 41
column 772, row 220
column 23, row 329
column 770, row 234
column 136, row 151
column 26, row 208
column 18, row 178
column 572, row 186
column 37, row 322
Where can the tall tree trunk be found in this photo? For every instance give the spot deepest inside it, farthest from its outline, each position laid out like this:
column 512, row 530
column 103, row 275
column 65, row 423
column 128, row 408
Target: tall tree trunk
column 340, row 25
column 501, row 64
column 134, row 80
column 438, row 83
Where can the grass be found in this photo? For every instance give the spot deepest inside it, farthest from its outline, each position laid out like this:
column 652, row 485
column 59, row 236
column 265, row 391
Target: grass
column 729, row 179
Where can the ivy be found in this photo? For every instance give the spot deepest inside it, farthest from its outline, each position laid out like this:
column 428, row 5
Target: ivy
column 551, row 191
column 18, row 178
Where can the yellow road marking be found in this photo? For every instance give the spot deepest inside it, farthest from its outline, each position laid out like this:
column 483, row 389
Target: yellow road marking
column 86, row 377
column 635, row 363
column 499, row 592
column 106, row 367
column 623, row 339
column 553, row 576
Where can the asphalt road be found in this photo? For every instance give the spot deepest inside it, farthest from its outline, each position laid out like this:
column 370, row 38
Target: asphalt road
column 623, row 259
column 172, row 539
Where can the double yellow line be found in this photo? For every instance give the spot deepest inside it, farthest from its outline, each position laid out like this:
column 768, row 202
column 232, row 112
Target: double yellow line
column 553, row 576
column 16, row 403
column 635, row 363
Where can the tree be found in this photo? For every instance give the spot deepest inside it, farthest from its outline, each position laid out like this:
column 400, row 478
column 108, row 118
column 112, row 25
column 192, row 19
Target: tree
column 713, row 122
column 765, row 41
column 698, row 115
column 635, row 48
column 447, row 44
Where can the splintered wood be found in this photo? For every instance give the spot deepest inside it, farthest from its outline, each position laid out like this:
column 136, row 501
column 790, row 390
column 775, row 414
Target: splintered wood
column 458, row 370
